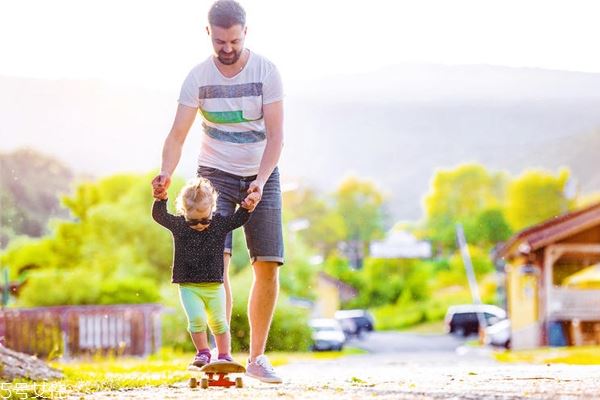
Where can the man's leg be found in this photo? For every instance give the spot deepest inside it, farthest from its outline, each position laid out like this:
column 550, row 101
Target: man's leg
column 261, row 304
column 264, row 238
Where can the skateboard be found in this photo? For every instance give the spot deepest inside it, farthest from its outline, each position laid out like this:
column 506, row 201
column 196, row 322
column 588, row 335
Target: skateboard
column 221, row 369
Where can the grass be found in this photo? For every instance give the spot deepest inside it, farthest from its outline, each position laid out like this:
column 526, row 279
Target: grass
column 581, row 355
column 164, row 368
column 435, row 327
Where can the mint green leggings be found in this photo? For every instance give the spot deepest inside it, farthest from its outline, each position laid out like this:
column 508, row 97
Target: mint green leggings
column 204, row 303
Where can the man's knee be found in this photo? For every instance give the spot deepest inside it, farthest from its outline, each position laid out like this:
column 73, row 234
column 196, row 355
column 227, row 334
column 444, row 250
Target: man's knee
column 266, row 270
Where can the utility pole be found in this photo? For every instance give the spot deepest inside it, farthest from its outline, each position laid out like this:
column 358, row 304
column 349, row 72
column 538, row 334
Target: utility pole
column 466, row 256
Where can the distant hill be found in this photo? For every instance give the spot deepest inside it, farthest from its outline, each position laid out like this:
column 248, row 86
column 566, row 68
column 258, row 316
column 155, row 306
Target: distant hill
column 395, row 126
column 31, row 184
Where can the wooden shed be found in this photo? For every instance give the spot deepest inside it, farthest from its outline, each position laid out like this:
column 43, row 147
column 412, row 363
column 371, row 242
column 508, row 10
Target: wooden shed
column 543, row 305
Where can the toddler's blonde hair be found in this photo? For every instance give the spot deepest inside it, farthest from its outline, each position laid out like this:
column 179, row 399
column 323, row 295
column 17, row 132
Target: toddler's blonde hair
column 198, row 194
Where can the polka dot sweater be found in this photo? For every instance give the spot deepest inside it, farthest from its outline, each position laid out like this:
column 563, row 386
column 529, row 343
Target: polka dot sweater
column 198, row 255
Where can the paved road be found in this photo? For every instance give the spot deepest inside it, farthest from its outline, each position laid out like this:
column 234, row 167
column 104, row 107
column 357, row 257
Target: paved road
column 433, row 369
column 395, row 342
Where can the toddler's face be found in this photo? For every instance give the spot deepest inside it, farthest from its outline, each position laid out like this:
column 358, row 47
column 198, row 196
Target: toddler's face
column 199, row 219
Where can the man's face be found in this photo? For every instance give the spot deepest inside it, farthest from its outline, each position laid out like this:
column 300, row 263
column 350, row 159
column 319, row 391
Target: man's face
column 228, row 44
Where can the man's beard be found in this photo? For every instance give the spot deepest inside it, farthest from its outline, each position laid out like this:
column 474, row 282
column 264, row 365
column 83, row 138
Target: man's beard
column 226, row 59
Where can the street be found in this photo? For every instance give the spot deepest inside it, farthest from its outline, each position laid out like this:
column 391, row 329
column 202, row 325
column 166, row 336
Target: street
column 404, row 366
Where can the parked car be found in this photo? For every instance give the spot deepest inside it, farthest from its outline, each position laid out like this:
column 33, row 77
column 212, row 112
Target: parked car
column 462, row 320
column 327, row 334
column 498, row 334
column 355, row 322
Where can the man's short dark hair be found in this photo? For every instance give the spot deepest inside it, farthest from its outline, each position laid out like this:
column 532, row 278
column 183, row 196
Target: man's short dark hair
column 226, row 13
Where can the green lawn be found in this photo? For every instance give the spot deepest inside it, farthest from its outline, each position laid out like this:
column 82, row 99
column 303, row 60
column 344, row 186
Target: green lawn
column 583, row 355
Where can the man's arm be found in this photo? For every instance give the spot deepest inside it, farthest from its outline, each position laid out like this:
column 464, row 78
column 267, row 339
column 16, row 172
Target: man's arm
column 184, row 118
column 273, row 115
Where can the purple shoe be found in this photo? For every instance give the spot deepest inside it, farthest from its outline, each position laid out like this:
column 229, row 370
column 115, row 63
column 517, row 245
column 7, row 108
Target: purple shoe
column 225, row 357
column 200, row 360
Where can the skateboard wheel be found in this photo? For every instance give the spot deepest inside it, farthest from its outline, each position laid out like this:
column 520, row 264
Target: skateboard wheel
column 204, row 383
column 193, row 383
column 239, row 383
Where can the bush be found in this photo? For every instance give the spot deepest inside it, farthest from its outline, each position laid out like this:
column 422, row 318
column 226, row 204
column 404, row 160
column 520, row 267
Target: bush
column 128, row 291
column 52, row 287
column 289, row 328
column 390, row 317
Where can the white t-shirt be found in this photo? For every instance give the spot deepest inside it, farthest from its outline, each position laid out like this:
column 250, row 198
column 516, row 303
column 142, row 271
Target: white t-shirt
column 234, row 129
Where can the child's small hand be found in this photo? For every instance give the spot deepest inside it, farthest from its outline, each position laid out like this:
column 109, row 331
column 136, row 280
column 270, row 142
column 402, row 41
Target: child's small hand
column 160, row 196
column 250, row 202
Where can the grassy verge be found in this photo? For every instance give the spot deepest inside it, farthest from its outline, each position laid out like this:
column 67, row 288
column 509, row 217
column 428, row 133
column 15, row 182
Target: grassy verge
column 434, row 328
column 112, row 373
column 583, row 355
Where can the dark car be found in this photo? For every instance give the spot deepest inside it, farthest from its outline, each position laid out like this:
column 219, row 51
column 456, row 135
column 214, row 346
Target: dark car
column 462, row 320
column 355, row 322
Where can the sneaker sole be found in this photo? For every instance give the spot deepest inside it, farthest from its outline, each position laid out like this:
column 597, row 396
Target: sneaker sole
column 263, row 379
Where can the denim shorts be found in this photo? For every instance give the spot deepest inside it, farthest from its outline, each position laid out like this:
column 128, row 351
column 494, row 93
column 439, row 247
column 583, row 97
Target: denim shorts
column 263, row 231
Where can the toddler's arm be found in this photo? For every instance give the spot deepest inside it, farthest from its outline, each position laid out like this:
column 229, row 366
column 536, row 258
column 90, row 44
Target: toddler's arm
column 162, row 216
column 239, row 218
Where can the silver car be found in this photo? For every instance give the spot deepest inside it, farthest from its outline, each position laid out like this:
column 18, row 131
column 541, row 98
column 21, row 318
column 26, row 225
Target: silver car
column 327, row 334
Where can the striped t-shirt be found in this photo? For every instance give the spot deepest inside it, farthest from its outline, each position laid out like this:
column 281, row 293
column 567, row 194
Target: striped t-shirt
column 234, row 129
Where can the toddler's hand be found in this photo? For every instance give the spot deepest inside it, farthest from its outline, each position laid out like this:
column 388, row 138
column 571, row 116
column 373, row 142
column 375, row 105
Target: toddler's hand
column 251, row 201
column 160, row 195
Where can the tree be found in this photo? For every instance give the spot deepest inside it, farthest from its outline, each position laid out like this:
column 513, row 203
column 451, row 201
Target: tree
column 113, row 244
column 326, row 227
column 360, row 204
column 462, row 195
column 488, row 228
column 536, row 196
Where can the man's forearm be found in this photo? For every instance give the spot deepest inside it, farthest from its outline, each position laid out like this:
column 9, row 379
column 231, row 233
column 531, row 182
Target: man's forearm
column 270, row 158
column 170, row 156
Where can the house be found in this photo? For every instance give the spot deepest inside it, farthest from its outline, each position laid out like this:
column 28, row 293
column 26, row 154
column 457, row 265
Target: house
column 544, row 265
column 400, row 244
column 332, row 293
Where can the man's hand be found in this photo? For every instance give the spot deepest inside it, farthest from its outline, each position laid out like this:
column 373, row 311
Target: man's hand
column 160, row 184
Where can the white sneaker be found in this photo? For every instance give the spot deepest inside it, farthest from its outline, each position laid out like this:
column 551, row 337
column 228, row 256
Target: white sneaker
column 262, row 370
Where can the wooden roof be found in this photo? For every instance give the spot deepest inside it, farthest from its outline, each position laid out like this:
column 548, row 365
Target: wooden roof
column 551, row 231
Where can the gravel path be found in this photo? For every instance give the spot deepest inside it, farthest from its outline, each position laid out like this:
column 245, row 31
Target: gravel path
column 400, row 376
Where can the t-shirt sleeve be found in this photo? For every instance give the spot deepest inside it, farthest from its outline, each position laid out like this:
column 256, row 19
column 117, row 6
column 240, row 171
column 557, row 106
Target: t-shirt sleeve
column 189, row 91
column 239, row 218
column 272, row 87
column 162, row 216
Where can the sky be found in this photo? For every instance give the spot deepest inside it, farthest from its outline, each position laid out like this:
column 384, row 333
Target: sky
column 155, row 43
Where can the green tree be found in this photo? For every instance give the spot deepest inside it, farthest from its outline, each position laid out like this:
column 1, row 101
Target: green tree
column 536, row 196
column 326, row 227
column 113, row 241
column 488, row 228
column 360, row 204
column 384, row 281
column 465, row 194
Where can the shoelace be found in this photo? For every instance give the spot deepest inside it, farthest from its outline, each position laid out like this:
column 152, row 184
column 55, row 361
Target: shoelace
column 264, row 362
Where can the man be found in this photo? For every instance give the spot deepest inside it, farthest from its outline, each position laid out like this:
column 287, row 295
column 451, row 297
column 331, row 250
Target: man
column 240, row 97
